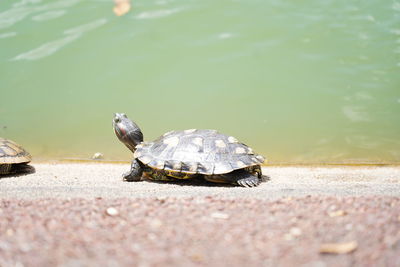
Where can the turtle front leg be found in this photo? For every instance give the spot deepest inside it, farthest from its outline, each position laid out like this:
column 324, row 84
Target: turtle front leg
column 135, row 174
column 238, row 177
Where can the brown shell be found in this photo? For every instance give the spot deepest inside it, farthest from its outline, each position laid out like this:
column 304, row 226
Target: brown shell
column 12, row 153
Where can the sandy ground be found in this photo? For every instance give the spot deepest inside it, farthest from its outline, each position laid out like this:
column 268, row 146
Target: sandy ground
column 84, row 215
column 91, row 180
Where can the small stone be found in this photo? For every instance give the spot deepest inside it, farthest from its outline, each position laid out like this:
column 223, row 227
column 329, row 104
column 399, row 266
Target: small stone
column 161, row 199
column 228, row 237
column 155, row 223
column 98, row 155
column 337, row 213
column 10, row 232
column 51, row 224
column 25, row 247
column 338, row 248
column 288, row 237
column 332, row 207
column 348, row 227
column 197, row 257
column 295, row 231
column 315, row 264
column 199, row 201
column 112, row 211
column 4, row 246
column 219, row 215
column 152, row 236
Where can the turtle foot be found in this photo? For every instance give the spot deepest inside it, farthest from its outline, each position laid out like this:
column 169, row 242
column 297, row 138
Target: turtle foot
column 129, row 177
column 135, row 173
column 250, row 181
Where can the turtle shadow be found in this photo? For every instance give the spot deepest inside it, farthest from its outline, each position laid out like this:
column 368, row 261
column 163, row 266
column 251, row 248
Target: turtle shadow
column 192, row 182
column 20, row 171
column 200, row 182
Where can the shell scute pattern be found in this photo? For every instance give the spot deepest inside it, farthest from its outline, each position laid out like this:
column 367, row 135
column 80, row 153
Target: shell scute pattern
column 173, row 165
column 11, row 153
column 189, row 167
column 222, row 167
column 197, row 151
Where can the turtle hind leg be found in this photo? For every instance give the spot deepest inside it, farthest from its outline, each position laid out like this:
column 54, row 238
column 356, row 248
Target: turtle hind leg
column 23, row 168
column 238, row 177
column 16, row 169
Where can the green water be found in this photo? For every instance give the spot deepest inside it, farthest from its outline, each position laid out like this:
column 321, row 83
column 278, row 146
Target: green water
column 300, row 82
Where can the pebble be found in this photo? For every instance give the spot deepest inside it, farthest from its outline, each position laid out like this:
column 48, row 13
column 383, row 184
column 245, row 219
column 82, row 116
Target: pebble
column 337, row 213
column 98, row 155
column 156, row 223
column 10, row 232
column 338, row 248
column 4, row 246
column 295, row 231
column 220, row 215
column 152, row 236
column 348, row 227
column 288, row 237
column 332, row 207
column 112, row 211
column 25, row 247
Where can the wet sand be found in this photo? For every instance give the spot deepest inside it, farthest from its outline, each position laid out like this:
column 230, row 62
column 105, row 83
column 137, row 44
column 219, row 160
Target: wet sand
column 84, row 215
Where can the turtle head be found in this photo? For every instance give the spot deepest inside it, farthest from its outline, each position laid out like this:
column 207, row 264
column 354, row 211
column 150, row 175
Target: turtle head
column 127, row 131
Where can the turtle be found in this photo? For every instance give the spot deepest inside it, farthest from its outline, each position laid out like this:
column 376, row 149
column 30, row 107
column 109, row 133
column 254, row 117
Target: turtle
column 186, row 154
column 13, row 158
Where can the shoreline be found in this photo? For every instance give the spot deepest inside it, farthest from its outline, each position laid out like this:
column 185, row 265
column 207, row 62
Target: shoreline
column 265, row 165
column 97, row 179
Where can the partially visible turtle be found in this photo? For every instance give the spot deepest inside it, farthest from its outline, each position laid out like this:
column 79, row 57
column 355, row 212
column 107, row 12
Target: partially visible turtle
column 13, row 158
column 187, row 154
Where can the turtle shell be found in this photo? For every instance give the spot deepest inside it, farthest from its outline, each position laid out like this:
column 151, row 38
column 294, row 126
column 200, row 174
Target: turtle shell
column 197, row 151
column 12, row 153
